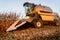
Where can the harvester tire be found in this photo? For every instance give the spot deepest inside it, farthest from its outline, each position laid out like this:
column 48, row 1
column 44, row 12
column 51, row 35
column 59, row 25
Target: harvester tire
column 37, row 23
column 57, row 23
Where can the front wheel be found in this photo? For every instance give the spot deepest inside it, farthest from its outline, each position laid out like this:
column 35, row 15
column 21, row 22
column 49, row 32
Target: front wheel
column 57, row 23
column 37, row 23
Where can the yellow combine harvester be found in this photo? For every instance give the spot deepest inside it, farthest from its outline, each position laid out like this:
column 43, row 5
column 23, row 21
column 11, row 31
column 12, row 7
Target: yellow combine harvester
column 37, row 15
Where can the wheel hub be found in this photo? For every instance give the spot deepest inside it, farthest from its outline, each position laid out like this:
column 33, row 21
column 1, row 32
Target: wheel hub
column 38, row 24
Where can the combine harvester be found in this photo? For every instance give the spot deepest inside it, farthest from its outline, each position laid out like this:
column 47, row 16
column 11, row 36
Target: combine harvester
column 37, row 15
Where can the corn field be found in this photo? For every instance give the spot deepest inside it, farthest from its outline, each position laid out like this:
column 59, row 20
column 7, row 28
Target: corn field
column 6, row 20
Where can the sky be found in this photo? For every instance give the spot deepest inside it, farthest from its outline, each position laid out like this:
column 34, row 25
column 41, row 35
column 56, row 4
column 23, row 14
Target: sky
column 17, row 5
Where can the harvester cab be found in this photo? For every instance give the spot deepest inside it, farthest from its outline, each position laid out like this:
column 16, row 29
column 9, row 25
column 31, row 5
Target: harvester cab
column 28, row 7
